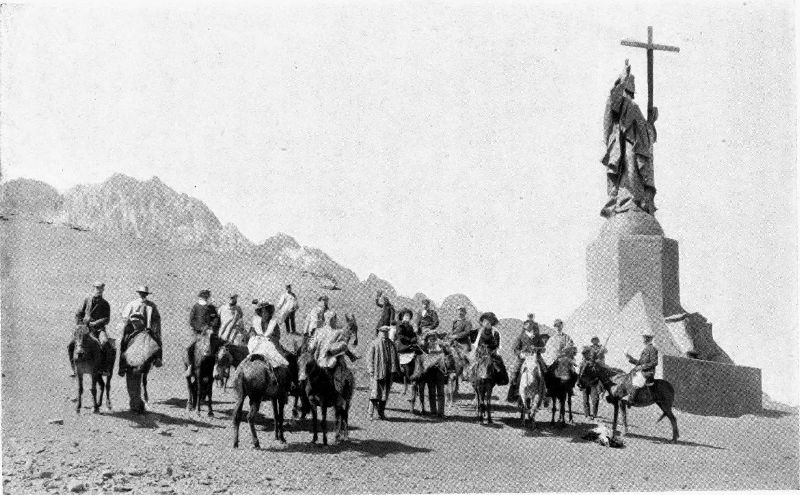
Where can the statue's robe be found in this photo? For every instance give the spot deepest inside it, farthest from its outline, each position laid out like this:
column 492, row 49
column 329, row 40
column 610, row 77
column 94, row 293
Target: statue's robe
column 629, row 156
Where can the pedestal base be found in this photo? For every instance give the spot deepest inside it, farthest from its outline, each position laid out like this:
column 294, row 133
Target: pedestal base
column 633, row 288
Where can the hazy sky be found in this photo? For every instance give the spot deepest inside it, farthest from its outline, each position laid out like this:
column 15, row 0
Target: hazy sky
column 446, row 147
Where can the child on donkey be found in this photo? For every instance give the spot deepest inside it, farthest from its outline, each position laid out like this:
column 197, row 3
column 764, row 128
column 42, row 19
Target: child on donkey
column 382, row 365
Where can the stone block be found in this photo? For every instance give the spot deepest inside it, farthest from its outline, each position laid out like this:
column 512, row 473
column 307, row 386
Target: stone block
column 713, row 389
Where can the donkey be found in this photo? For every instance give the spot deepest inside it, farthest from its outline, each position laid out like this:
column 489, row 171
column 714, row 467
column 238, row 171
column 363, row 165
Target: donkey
column 617, row 383
column 531, row 390
column 199, row 384
column 257, row 380
column 485, row 375
column 92, row 358
column 456, row 363
column 325, row 389
column 561, row 379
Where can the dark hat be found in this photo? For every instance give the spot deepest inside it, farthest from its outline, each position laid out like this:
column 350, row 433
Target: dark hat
column 595, row 338
column 489, row 316
column 254, row 301
column 426, row 301
column 323, row 297
column 403, row 312
column 204, row 293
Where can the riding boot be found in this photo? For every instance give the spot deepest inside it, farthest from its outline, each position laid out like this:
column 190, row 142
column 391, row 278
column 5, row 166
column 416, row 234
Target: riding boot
column 382, row 409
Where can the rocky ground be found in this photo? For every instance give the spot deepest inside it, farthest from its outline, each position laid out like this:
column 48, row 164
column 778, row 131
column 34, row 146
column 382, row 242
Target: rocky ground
column 48, row 448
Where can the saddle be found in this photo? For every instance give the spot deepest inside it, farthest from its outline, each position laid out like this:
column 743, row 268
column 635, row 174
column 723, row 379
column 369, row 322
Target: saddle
column 406, row 357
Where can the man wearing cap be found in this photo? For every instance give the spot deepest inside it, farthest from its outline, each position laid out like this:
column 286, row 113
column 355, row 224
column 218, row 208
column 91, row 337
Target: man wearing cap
column 629, row 151
column 139, row 315
column 646, row 364
column 231, row 319
column 558, row 344
column 387, row 311
column 528, row 342
column 95, row 313
column 383, row 363
column 203, row 315
column 462, row 332
column 597, row 351
column 288, row 306
column 315, row 319
column 427, row 318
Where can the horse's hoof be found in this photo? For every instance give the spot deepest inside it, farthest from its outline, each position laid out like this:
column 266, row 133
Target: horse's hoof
column 256, row 446
column 96, row 410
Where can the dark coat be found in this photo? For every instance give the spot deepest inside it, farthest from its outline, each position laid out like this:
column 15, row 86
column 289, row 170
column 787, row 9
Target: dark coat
column 387, row 315
column 406, row 338
column 95, row 312
column 203, row 315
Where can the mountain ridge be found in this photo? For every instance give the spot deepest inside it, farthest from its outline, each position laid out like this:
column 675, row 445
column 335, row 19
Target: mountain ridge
column 149, row 210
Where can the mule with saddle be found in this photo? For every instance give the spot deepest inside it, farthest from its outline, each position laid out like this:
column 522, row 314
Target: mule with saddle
column 620, row 385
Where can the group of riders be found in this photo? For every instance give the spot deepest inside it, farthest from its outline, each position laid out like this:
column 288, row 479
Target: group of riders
column 400, row 337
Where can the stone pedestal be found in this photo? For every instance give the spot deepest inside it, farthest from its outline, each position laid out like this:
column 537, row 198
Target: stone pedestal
column 633, row 285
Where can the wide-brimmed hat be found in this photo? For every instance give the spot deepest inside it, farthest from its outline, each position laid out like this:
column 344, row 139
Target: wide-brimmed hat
column 489, row 316
column 323, row 297
column 403, row 312
column 100, row 285
column 204, row 293
column 143, row 289
column 648, row 333
column 595, row 338
column 384, row 328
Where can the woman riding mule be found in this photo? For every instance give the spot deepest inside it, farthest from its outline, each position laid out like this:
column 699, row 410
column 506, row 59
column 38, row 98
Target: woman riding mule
column 487, row 369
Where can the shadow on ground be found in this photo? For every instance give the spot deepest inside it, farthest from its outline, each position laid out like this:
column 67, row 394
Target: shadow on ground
column 154, row 420
column 367, row 448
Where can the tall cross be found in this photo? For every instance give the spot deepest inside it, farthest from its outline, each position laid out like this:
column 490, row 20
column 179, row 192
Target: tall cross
column 650, row 46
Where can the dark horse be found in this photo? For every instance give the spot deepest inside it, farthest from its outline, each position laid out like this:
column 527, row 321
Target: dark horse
column 257, row 380
column 229, row 357
column 326, row 389
column 199, row 385
column 560, row 389
column 617, row 384
column 93, row 359
column 486, row 373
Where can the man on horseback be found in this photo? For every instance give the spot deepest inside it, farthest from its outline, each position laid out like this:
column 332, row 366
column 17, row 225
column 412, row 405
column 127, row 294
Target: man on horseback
column 387, row 311
column 140, row 315
column 203, row 315
column 315, row 318
column 528, row 342
column 462, row 333
column 428, row 320
column 646, row 365
column 329, row 347
column 231, row 319
column 95, row 313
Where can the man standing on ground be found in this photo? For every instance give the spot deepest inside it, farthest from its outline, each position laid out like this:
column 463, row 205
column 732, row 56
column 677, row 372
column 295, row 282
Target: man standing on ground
column 140, row 315
column 95, row 313
column 288, row 305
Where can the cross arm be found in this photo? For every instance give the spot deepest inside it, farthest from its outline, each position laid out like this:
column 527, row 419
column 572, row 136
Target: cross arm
column 650, row 46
